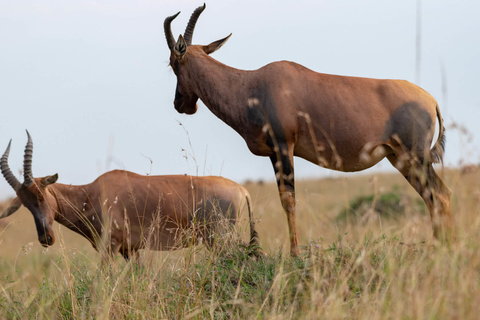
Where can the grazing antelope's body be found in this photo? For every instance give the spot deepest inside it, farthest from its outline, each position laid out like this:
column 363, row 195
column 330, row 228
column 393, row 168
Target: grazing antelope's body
column 343, row 123
column 131, row 210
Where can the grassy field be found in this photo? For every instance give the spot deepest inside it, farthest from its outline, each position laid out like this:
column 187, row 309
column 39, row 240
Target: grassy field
column 375, row 268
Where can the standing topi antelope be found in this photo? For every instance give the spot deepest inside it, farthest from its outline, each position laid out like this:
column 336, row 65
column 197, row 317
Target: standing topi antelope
column 342, row 123
column 128, row 210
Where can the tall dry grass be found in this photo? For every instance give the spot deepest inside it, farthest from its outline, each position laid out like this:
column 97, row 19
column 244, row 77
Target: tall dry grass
column 380, row 269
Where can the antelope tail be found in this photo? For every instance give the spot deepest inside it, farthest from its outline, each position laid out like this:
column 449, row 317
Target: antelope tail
column 253, row 232
column 436, row 153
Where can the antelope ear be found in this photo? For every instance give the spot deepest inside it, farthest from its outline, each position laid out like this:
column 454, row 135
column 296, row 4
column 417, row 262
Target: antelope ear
column 50, row 179
column 12, row 208
column 180, row 48
column 214, row 46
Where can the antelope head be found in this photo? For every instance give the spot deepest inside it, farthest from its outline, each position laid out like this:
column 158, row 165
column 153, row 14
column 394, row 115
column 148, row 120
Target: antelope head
column 33, row 193
column 181, row 53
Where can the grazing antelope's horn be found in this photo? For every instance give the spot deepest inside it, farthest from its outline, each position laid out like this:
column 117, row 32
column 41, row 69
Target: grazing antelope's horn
column 7, row 173
column 168, row 31
column 191, row 24
column 27, row 162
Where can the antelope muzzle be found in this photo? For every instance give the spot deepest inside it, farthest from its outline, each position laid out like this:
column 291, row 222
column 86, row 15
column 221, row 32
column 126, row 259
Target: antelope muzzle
column 47, row 238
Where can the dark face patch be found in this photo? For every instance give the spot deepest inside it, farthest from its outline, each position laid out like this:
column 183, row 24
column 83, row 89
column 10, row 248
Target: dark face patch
column 185, row 104
column 412, row 125
column 34, row 201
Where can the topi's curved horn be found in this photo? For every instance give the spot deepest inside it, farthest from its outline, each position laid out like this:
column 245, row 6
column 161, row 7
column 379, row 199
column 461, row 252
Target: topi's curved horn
column 168, row 31
column 27, row 162
column 191, row 24
column 7, row 173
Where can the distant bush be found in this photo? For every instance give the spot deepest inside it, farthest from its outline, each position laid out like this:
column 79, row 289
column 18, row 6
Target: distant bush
column 387, row 205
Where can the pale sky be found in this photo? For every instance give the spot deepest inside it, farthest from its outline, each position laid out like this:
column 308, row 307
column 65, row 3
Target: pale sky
column 90, row 79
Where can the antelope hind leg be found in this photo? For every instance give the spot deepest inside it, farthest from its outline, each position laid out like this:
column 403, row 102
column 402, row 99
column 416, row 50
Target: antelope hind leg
column 434, row 193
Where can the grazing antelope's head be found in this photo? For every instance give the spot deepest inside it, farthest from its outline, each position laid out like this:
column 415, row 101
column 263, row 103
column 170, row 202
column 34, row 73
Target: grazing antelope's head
column 182, row 52
column 33, row 193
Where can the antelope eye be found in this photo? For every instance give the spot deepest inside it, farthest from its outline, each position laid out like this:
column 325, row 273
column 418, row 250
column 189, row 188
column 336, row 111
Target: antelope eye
column 176, row 65
column 39, row 194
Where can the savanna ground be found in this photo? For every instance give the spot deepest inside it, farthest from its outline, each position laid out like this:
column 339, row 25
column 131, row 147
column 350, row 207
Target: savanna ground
column 375, row 267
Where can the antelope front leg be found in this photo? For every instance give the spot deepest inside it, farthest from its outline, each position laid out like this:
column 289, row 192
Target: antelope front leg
column 282, row 163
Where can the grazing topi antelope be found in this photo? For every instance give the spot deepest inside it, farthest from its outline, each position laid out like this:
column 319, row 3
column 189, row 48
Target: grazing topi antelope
column 128, row 210
column 342, row 123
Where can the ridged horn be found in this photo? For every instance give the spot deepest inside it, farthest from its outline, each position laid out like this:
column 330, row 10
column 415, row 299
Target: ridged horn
column 7, row 173
column 191, row 24
column 168, row 31
column 27, row 162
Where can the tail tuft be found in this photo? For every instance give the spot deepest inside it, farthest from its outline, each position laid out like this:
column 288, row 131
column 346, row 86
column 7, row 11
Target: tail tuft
column 253, row 238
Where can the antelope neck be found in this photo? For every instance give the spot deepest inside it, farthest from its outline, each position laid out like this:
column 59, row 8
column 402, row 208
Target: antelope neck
column 219, row 87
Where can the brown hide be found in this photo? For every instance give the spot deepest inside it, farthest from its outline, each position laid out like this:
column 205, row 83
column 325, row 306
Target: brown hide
column 343, row 123
column 123, row 212
column 346, row 116
column 159, row 212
